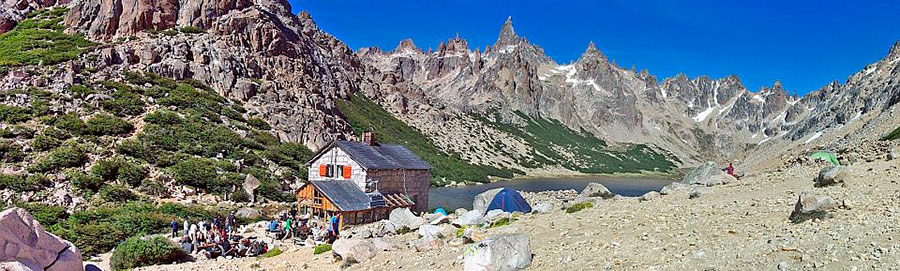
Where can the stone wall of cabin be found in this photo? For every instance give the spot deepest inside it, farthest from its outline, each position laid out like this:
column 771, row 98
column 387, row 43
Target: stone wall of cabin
column 417, row 184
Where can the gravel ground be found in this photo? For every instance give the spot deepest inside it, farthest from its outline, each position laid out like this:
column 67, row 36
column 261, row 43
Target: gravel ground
column 739, row 226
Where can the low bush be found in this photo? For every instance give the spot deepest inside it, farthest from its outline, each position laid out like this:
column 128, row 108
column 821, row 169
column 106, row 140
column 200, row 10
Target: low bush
column 137, row 252
column 124, row 103
column 14, row 114
column 578, row 207
column 48, row 215
column 82, row 91
column 21, row 183
column 120, row 169
column 501, row 222
column 61, row 157
column 322, row 248
column 104, row 124
column 271, row 253
column 44, row 143
column 11, row 152
column 116, row 193
column 191, row 30
column 71, row 123
column 196, row 172
column 85, row 182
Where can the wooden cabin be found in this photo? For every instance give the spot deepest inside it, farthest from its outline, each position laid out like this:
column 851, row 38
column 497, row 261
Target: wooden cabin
column 363, row 181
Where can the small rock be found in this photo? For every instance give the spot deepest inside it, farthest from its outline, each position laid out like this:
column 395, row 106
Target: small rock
column 649, row 196
column 431, row 232
column 542, row 207
column 811, row 206
column 830, row 175
column 699, row 191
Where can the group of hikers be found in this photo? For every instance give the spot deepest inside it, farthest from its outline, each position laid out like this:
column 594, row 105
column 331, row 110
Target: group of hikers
column 300, row 228
column 216, row 238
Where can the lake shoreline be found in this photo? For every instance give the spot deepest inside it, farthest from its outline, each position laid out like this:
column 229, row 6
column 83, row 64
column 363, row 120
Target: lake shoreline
column 674, row 176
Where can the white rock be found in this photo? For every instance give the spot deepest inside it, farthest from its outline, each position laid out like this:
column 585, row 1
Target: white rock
column 499, row 252
column 354, row 250
column 699, row 191
column 594, row 191
column 649, row 196
column 402, row 217
column 472, row 217
column 431, row 232
column 810, row 205
column 542, row 207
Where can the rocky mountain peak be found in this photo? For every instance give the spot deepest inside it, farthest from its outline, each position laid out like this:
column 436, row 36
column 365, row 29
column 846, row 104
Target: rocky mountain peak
column 591, row 48
column 406, row 45
column 507, row 34
column 895, row 50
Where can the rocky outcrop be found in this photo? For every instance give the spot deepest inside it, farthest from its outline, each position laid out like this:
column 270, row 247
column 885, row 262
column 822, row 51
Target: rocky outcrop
column 709, row 174
column 482, row 200
column 402, row 217
column 24, row 240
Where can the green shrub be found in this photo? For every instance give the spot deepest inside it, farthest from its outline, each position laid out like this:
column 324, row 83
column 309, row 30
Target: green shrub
column 259, row 123
column 21, row 183
column 14, row 114
column 31, row 43
column 85, row 182
column 196, row 172
column 116, row 193
column 322, row 248
column 578, row 207
column 191, row 30
column 44, row 143
column 271, row 253
column 48, row 215
column 82, row 91
column 503, row 221
column 71, row 122
column 120, row 169
column 124, row 103
column 137, row 252
column 61, row 157
column 11, row 152
column 104, row 124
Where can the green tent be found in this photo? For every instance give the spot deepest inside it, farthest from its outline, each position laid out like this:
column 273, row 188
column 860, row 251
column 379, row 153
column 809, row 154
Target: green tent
column 827, row 156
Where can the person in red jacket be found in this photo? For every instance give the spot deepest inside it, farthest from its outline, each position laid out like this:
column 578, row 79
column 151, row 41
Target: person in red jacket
column 730, row 169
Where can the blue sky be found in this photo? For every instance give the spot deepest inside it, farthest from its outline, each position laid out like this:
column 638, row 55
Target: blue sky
column 805, row 44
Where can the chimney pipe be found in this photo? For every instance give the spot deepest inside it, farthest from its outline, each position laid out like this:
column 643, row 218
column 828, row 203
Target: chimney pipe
column 368, row 138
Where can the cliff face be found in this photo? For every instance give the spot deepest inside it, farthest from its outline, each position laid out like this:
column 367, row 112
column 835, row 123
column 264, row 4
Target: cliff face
column 281, row 64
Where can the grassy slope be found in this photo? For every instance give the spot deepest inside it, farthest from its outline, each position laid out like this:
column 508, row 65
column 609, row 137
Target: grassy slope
column 364, row 114
column 893, row 135
column 591, row 155
column 40, row 40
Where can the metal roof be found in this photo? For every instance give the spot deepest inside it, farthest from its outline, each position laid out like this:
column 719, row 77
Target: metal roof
column 382, row 156
column 344, row 194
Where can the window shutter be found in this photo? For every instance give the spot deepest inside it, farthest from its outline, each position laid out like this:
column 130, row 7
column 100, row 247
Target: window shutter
column 323, row 169
column 346, row 172
column 330, row 171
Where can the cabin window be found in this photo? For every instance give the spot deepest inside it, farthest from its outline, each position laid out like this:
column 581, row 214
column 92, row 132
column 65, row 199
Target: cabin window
column 317, row 198
column 340, row 170
column 329, row 171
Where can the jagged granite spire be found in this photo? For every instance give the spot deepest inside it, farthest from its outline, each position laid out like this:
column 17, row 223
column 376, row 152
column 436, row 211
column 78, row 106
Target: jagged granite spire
column 507, row 34
column 406, row 45
column 895, row 50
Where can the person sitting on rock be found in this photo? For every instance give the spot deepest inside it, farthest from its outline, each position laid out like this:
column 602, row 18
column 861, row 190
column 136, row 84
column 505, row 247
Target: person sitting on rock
column 730, row 169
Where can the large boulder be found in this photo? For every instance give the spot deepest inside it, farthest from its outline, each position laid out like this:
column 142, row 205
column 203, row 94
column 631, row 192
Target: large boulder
column 830, row 175
column 708, row 174
column 402, row 217
column 499, row 252
column 24, row 240
column 484, row 199
column 810, row 205
column 473, row 217
column 431, row 232
column 594, row 191
column 354, row 250
column 248, row 213
column 542, row 207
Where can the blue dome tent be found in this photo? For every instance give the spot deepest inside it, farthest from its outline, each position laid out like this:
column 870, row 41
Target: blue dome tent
column 509, row 200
